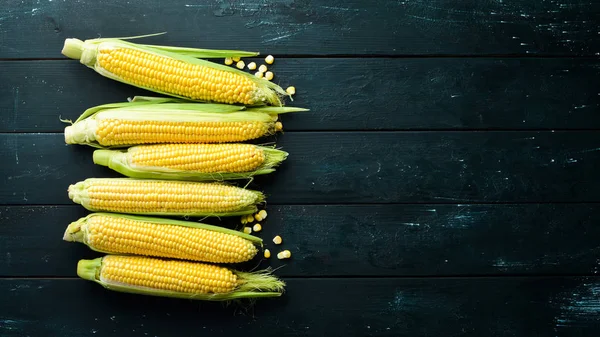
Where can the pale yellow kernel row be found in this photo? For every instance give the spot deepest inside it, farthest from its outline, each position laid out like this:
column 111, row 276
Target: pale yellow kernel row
column 207, row 158
column 165, row 74
column 123, row 132
column 126, row 236
column 169, row 275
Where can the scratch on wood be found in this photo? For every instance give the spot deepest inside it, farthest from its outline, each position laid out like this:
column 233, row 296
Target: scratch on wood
column 579, row 306
column 15, row 104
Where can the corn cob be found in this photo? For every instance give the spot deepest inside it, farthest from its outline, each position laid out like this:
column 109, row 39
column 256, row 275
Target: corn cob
column 192, row 161
column 127, row 234
column 174, row 71
column 170, row 121
column 180, row 279
column 164, row 197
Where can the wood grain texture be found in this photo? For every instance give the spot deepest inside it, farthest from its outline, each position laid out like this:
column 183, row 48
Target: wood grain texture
column 359, row 240
column 314, row 307
column 321, row 27
column 357, row 167
column 349, row 94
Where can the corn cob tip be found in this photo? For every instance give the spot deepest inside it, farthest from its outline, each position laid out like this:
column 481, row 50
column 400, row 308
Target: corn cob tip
column 77, row 193
column 73, row 233
column 73, row 48
column 81, row 132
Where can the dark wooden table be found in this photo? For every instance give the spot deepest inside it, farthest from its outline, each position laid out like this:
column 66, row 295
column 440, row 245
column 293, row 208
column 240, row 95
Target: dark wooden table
column 444, row 183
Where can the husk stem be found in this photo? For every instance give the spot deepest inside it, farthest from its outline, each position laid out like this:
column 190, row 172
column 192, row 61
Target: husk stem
column 86, row 52
column 259, row 284
column 119, row 161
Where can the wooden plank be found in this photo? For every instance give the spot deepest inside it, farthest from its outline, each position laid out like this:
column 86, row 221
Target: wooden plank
column 314, row 307
column 350, row 94
column 363, row 240
column 357, row 167
column 37, row 30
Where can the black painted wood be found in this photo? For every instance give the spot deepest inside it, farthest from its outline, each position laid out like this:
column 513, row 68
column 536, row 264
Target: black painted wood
column 322, row 27
column 354, row 167
column 520, row 307
column 349, row 94
column 360, row 240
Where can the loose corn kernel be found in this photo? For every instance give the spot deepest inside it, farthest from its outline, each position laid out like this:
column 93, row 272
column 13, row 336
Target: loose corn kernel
column 291, row 90
column 236, row 58
column 278, row 126
column 269, row 75
column 269, row 59
column 259, row 74
column 257, row 227
column 287, row 254
column 240, row 64
column 277, row 240
column 243, row 220
column 263, row 214
column 257, row 217
column 252, row 65
column 267, row 253
column 247, row 230
column 228, row 61
column 249, row 218
column 262, row 68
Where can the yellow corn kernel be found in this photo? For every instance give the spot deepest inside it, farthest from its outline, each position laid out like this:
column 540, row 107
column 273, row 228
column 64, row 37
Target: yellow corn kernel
column 170, row 275
column 262, row 68
column 269, row 75
column 277, row 240
column 252, row 66
column 259, row 74
column 247, row 230
column 121, row 132
column 269, row 59
column 207, row 158
column 249, row 218
column 257, row 227
column 176, row 278
column 267, row 253
column 278, row 126
column 257, row 217
column 286, row 254
column 122, row 234
column 240, row 65
column 236, row 59
column 163, row 197
column 228, row 61
column 193, row 81
column 291, row 90
column 263, row 214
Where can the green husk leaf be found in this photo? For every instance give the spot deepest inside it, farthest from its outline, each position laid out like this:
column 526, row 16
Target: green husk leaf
column 118, row 161
column 257, row 285
column 203, row 53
